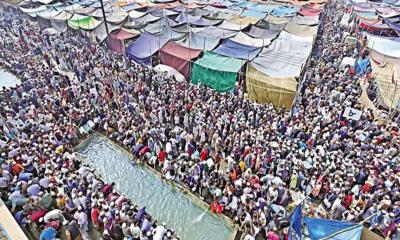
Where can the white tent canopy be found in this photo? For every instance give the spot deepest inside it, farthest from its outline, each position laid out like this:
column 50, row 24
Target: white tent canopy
column 169, row 71
column 245, row 39
column 385, row 46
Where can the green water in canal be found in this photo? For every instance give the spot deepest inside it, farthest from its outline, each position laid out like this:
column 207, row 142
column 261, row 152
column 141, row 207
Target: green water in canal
column 145, row 188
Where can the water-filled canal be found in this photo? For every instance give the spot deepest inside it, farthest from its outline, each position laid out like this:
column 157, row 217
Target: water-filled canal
column 147, row 189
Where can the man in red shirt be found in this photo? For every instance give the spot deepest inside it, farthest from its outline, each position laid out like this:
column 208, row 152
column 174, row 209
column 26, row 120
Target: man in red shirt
column 161, row 157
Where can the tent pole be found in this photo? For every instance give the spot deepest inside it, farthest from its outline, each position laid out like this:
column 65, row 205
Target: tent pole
column 104, row 17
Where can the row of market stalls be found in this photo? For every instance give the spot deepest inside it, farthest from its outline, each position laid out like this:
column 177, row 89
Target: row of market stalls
column 267, row 44
column 379, row 26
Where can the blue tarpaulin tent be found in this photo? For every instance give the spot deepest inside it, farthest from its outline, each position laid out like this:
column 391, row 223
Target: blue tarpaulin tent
column 233, row 49
column 253, row 13
column 146, row 45
column 282, row 11
column 319, row 228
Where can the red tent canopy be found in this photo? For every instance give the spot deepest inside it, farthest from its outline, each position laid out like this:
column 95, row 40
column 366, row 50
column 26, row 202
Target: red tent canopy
column 123, row 34
column 117, row 38
column 309, row 11
column 178, row 57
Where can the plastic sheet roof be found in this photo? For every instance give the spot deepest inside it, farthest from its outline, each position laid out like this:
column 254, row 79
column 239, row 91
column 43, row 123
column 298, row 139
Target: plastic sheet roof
column 233, row 49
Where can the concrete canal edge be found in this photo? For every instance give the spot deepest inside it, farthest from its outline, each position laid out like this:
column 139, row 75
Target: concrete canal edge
column 203, row 205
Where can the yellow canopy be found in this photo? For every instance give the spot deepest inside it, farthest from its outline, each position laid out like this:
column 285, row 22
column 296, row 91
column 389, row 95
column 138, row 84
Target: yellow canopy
column 266, row 89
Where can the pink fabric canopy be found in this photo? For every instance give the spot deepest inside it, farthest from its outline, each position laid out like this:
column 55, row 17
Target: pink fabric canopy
column 117, row 38
column 178, row 57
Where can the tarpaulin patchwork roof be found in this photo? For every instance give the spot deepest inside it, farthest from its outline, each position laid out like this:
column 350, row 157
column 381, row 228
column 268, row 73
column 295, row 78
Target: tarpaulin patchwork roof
column 244, row 20
column 262, row 88
column 383, row 45
column 262, row 33
column 301, row 30
column 178, row 57
column 33, row 10
column 271, row 77
column 306, row 20
column 195, row 20
column 136, row 14
column 271, row 26
column 86, row 23
column 124, row 34
column 232, row 26
column 277, row 20
column 163, row 12
column 262, row 8
column 145, row 19
column 99, row 13
column 233, row 49
column 170, row 34
column 253, row 14
column 245, row 39
column 198, row 41
column 216, row 71
column 49, row 13
column 282, row 11
column 213, row 31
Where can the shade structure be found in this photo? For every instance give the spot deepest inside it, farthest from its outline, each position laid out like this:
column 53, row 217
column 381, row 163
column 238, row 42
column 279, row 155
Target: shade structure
column 213, row 31
column 301, row 30
column 387, row 76
column 336, row 230
column 163, row 12
column 277, row 20
column 116, row 18
column 85, row 23
column 116, row 41
column 233, row 49
column 271, row 26
column 262, row 33
column 271, row 77
column 283, row 11
column 98, row 13
column 178, row 57
column 33, row 10
column 216, row 71
column 199, row 41
column 195, row 20
column 59, row 22
column 384, row 46
column 170, row 34
column 306, row 20
column 245, row 39
column 306, row 11
column 136, row 14
column 231, row 26
column 144, row 47
column 148, row 18
column 253, row 14
column 49, row 13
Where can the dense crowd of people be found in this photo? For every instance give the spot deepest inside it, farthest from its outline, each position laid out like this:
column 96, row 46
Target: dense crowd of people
column 249, row 161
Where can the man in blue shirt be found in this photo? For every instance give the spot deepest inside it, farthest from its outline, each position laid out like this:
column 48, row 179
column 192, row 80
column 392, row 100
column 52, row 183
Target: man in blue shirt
column 48, row 234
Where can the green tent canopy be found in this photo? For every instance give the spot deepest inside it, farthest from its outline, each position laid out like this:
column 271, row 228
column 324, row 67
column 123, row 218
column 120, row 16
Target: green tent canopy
column 216, row 71
column 85, row 23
